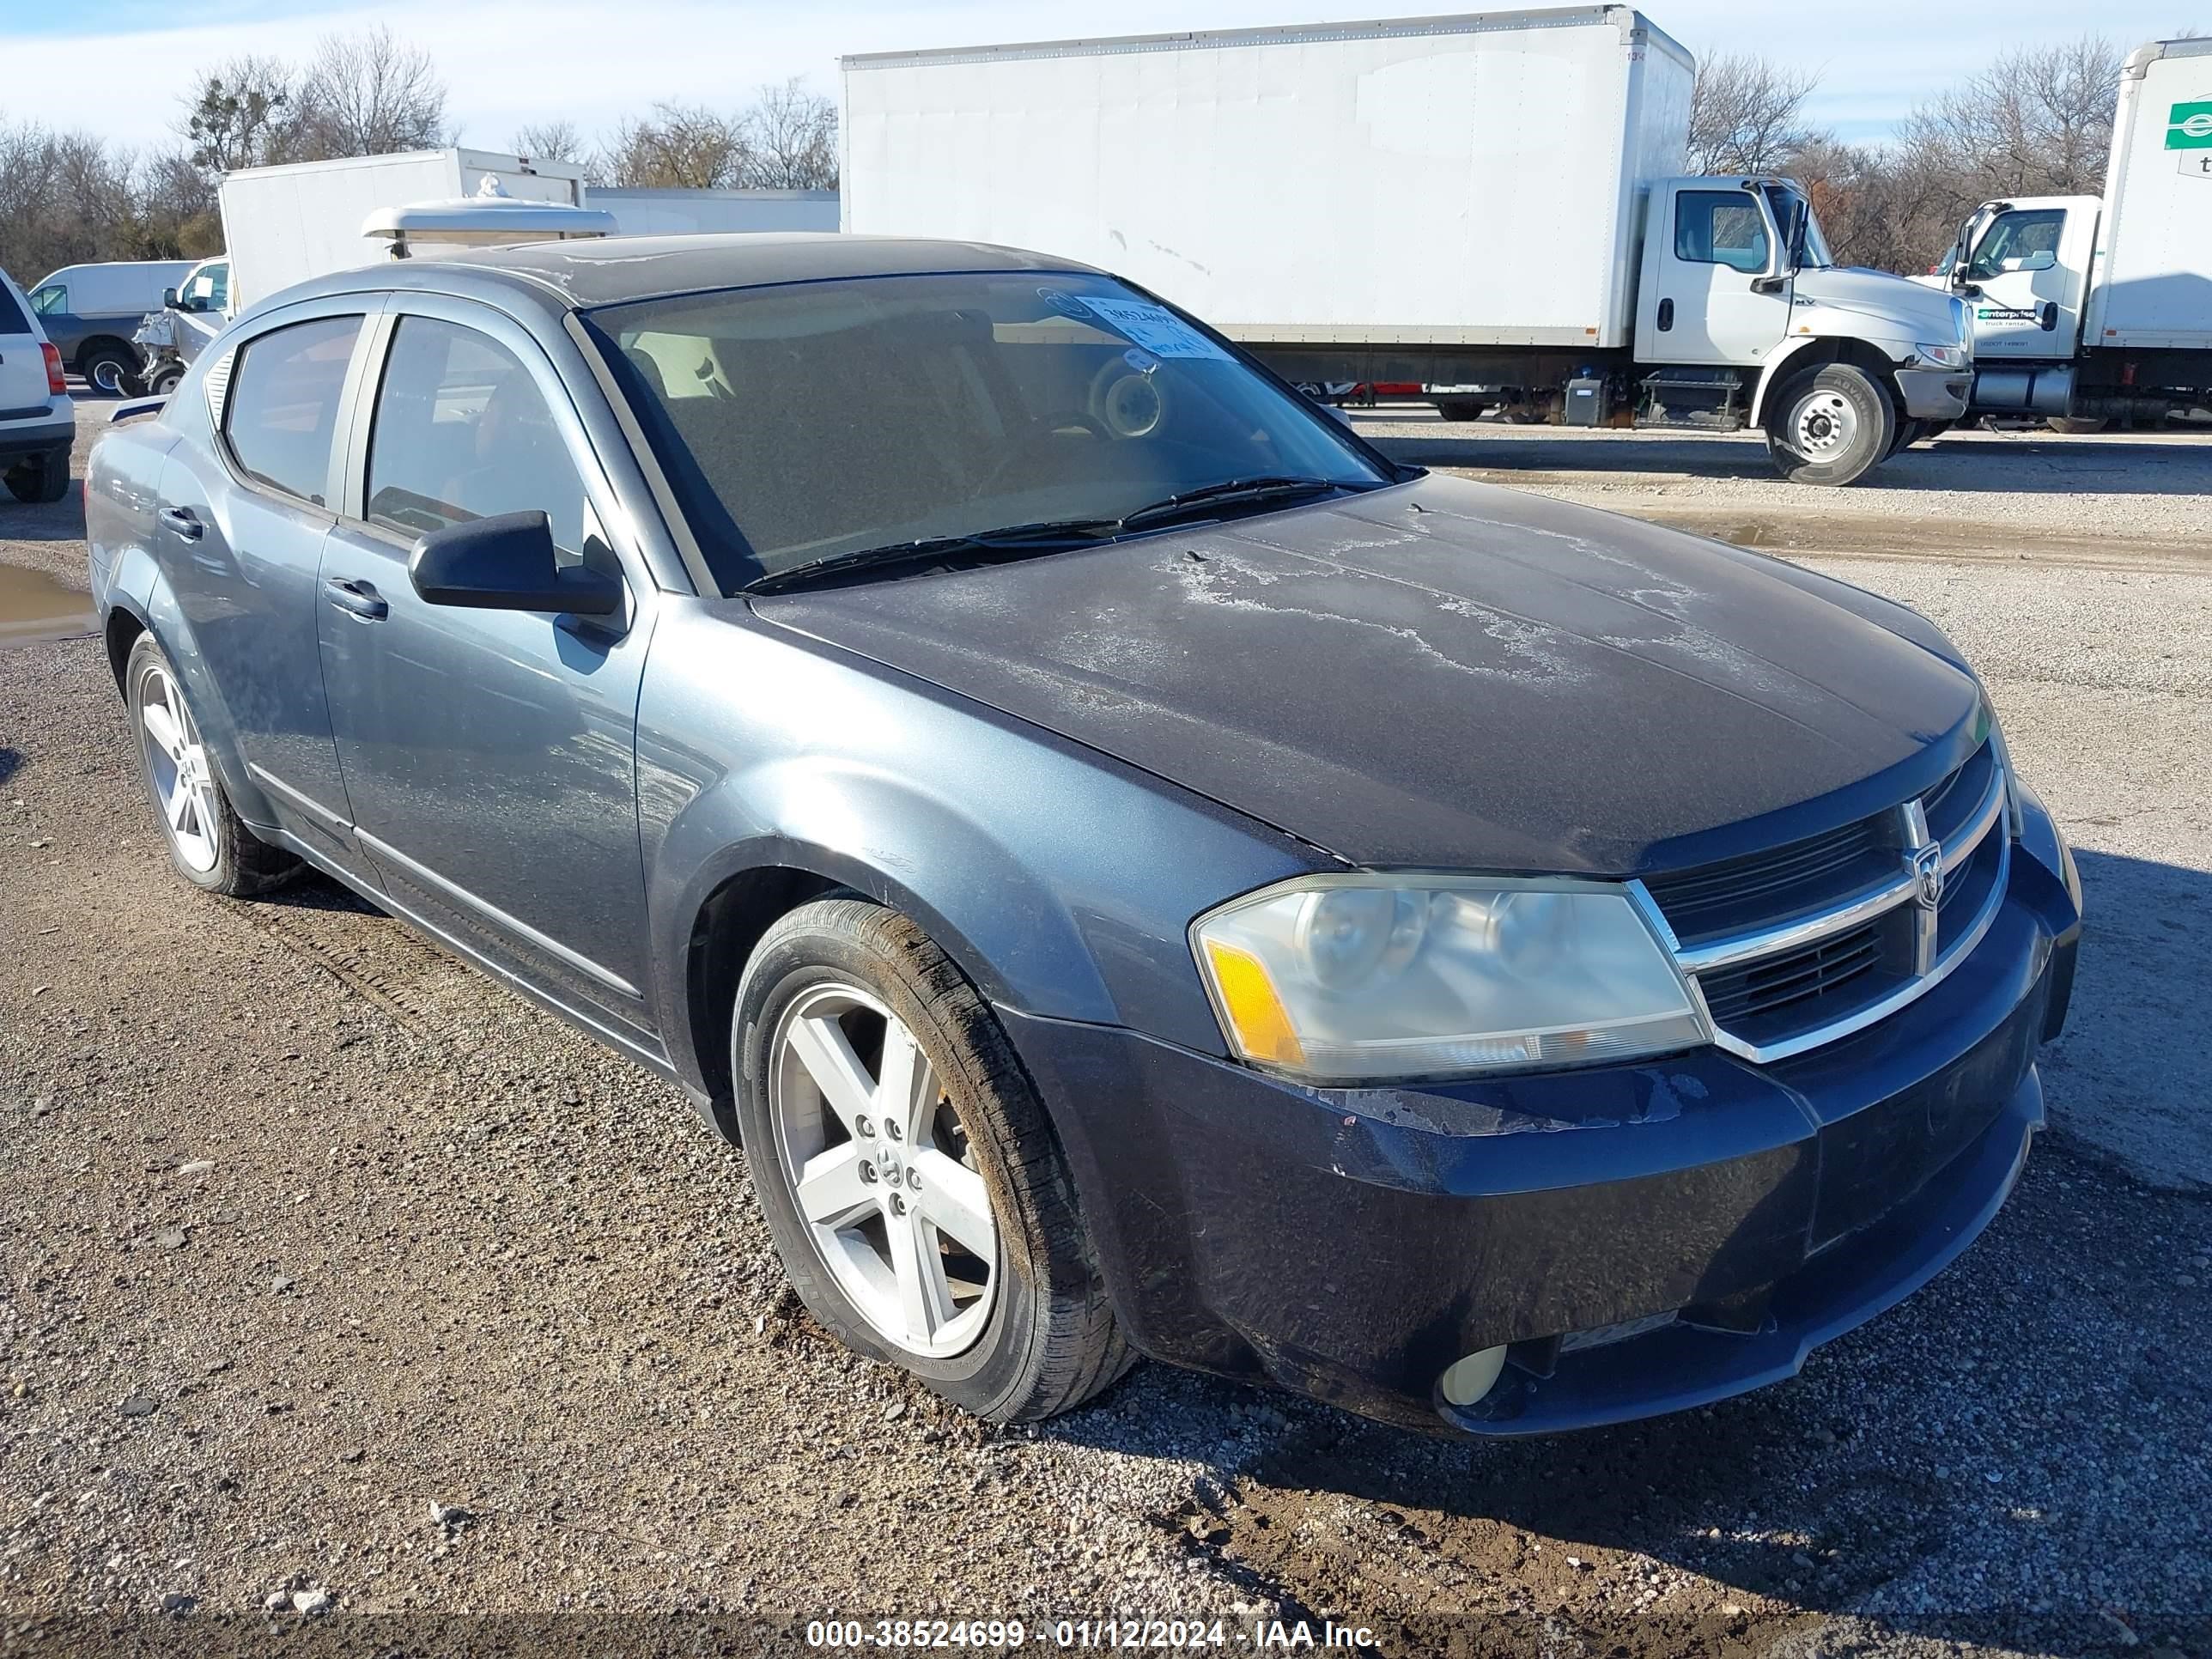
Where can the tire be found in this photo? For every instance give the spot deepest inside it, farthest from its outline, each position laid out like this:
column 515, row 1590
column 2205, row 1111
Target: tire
column 1462, row 409
column 1037, row 1335
column 1831, row 426
column 208, row 845
column 2077, row 425
column 1908, row 433
column 111, row 367
column 42, row 480
column 165, row 380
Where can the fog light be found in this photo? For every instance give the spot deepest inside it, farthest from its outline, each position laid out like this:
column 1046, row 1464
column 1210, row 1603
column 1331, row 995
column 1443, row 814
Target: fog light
column 1467, row 1380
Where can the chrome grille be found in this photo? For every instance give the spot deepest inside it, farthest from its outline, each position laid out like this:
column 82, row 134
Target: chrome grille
column 1804, row 944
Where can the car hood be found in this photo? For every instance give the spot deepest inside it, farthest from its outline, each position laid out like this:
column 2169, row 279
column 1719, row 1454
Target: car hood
column 1449, row 675
column 1898, row 302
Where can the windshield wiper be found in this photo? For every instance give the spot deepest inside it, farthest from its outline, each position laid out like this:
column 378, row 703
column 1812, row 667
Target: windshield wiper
column 1015, row 541
column 1194, row 503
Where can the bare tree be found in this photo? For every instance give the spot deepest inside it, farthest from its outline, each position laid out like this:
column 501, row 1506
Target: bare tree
column 1746, row 113
column 680, row 146
column 550, row 141
column 241, row 114
column 69, row 197
column 790, row 139
column 370, row 93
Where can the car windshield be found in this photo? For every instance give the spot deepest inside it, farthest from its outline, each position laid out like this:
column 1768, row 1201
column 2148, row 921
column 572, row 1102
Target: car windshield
column 804, row 422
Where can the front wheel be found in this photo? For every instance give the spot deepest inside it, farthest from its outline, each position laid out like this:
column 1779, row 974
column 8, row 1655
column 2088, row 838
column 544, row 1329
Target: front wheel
column 164, row 381
column 913, row 1184
column 1831, row 426
column 207, row 843
column 1462, row 409
column 2077, row 425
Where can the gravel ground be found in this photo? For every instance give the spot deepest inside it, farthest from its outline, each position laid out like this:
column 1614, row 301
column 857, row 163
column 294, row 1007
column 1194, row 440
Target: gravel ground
column 330, row 1274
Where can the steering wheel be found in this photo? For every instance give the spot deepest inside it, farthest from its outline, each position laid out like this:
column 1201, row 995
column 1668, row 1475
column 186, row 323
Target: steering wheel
column 1049, row 430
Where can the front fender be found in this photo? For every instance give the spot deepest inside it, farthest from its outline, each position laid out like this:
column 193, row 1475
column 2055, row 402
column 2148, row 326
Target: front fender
column 1061, row 880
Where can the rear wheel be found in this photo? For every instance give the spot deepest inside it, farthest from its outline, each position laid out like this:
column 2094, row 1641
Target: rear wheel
column 913, row 1184
column 111, row 367
column 207, row 843
column 1831, row 426
column 42, row 479
column 1462, row 409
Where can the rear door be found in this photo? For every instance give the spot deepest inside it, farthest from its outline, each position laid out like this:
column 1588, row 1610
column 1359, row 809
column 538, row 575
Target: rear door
column 24, row 391
column 490, row 756
column 245, row 503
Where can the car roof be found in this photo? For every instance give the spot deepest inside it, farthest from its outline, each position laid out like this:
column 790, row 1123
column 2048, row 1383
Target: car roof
column 609, row 270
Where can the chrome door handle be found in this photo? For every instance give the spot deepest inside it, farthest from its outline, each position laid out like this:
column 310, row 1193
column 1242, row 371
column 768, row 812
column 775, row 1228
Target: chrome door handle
column 355, row 598
column 180, row 522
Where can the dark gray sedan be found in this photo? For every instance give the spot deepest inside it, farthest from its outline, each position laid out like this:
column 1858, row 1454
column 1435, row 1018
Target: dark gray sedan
column 1137, row 870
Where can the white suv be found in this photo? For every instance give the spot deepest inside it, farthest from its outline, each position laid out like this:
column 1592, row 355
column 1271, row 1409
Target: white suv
column 38, row 422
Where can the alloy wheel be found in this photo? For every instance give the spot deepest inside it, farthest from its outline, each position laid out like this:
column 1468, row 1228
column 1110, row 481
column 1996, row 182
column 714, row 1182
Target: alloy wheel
column 176, row 762
column 878, row 1164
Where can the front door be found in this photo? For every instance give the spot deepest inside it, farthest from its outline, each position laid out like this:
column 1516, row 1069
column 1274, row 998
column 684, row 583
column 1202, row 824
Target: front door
column 239, row 539
column 490, row 756
column 2030, row 303
column 1699, row 304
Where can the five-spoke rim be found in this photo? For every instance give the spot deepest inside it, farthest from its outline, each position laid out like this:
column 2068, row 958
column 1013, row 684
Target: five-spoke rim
column 176, row 762
column 877, row 1161
column 1824, row 422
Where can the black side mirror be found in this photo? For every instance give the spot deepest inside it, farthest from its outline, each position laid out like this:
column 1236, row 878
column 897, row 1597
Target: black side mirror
column 505, row 563
column 168, row 299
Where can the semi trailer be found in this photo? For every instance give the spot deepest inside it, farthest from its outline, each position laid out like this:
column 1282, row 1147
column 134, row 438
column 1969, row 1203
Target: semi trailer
column 1494, row 200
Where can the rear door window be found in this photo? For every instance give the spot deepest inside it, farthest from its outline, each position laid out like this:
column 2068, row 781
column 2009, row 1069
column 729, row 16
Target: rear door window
column 462, row 432
column 12, row 320
column 282, row 408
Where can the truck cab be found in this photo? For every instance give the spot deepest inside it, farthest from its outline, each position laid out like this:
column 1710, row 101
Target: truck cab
column 1737, row 291
column 2023, row 266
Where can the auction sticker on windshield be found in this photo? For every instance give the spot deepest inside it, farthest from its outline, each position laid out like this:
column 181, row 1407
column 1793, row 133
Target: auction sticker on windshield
column 1155, row 328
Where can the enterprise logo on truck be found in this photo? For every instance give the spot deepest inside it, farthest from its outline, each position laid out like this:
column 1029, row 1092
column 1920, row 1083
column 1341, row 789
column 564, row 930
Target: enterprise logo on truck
column 2190, row 126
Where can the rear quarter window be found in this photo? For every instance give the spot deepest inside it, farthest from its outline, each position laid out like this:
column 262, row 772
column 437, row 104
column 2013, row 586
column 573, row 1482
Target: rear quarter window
column 282, row 409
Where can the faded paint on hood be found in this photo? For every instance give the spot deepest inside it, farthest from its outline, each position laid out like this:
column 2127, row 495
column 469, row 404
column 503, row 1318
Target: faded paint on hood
column 1448, row 674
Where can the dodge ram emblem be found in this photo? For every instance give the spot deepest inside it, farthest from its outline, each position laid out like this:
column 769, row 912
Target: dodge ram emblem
column 1927, row 864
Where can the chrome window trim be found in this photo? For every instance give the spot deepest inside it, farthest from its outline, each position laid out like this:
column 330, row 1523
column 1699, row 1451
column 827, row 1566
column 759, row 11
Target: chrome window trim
column 1853, row 912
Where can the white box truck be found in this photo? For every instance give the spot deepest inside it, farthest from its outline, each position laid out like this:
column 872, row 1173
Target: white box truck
column 1490, row 200
column 641, row 212
column 284, row 224
column 2088, row 309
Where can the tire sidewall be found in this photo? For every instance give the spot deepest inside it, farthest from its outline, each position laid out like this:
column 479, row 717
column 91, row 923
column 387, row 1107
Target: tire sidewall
column 223, row 875
column 791, row 961
column 1877, row 419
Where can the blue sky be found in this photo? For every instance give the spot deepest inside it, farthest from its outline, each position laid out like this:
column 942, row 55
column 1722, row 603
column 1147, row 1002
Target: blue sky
column 511, row 62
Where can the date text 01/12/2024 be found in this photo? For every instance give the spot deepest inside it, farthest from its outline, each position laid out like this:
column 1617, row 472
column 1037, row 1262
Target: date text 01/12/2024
column 1085, row 1633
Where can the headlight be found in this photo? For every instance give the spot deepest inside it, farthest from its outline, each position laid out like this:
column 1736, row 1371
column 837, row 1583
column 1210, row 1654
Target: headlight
column 1944, row 357
column 1337, row 978
column 2015, row 819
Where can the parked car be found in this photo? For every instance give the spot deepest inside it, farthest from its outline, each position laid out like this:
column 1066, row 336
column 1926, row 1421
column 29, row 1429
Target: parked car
column 1138, row 870
column 90, row 312
column 37, row 422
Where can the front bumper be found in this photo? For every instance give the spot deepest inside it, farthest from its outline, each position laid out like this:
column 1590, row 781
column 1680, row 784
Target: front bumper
column 1936, row 394
column 1351, row 1244
column 38, row 436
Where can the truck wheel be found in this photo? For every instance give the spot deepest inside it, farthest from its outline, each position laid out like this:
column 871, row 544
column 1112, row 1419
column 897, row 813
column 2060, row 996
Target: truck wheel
column 1462, row 409
column 909, row 1174
column 42, row 479
column 1831, row 426
column 166, row 380
column 111, row 367
column 2077, row 425
column 1908, row 433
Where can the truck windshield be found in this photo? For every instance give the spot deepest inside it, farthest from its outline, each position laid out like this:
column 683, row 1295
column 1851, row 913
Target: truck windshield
column 1808, row 247
column 807, row 421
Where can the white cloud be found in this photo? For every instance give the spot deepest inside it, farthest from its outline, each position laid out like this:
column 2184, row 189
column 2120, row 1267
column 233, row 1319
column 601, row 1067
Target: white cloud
column 512, row 62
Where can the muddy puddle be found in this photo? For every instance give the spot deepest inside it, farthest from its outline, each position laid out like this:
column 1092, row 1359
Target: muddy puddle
column 34, row 606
